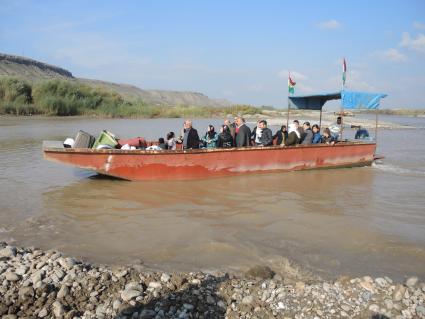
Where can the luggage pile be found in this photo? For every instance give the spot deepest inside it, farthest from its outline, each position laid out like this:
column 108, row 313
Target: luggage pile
column 106, row 140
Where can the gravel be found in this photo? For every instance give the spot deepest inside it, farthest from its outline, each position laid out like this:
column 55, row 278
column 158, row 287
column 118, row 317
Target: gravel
column 38, row 284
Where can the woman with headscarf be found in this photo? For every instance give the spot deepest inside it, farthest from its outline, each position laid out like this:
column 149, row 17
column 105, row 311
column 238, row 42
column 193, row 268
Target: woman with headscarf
column 281, row 135
column 225, row 139
column 210, row 137
column 293, row 135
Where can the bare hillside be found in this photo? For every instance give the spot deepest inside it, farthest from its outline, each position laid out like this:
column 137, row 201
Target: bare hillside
column 34, row 71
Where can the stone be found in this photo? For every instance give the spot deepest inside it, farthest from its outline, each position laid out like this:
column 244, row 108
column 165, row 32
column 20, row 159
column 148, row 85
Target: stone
column 210, row 300
column 368, row 286
column 399, row 293
column 262, row 272
column 63, row 292
column 147, row 314
column 66, row 263
column 411, row 282
column 134, row 285
column 345, row 307
column 188, row 306
column 11, row 276
column 221, row 304
column 381, row 282
column 37, row 276
column 101, row 310
column 299, row 287
column 129, row 294
column 165, row 277
column 43, row 313
column 155, row 285
column 8, row 252
column 420, row 311
column 247, row 300
column 58, row 310
column 374, row 308
column 25, row 293
column 389, row 304
column 21, row 270
column 116, row 304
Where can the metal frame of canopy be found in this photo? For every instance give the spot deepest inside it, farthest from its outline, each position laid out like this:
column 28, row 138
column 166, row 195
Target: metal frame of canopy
column 349, row 100
column 311, row 102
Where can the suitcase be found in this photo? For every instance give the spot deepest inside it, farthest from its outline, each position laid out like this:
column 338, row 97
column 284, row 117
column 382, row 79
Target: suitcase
column 84, row 140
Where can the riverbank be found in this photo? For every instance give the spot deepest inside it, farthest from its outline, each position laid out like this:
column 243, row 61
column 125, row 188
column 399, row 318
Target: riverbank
column 47, row 284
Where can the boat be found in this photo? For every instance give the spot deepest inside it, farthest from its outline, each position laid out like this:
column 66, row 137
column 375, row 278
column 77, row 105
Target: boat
column 187, row 164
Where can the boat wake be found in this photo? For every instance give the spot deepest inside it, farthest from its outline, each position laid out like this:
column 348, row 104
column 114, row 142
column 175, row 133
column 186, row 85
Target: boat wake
column 389, row 168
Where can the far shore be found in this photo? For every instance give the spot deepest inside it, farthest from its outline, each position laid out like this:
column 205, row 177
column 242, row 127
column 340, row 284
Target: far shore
column 274, row 118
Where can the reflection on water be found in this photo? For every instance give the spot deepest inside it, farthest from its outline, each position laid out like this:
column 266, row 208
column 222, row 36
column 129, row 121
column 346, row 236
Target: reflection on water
column 343, row 221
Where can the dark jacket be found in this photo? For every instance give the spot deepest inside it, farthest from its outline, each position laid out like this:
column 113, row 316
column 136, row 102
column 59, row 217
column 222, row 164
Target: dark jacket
column 292, row 139
column 243, row 138
column 328, row 140
column 225, row 140
column 266, row 138
column 307, row 137
column 193, row 139
column 281, row 136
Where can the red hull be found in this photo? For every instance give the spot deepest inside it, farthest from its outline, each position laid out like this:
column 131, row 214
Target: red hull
column 205, row 163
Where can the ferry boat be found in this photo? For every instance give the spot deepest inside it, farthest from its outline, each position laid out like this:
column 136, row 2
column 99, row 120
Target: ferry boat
column 141, row 165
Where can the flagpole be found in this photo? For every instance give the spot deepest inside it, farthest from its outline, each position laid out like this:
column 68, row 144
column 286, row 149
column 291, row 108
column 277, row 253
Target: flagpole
column 287, row 115
column 344, row 69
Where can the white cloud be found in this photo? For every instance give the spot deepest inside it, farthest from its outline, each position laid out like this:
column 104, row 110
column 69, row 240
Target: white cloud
column 419, row 26
column 283, row 74
column 393, row 55
column 329, row 25
column 417, row 44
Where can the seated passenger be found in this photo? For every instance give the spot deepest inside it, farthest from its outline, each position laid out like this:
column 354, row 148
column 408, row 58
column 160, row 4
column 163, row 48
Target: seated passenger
column 171, row 141
column 225, row 139
column 298, row 127
column 210, row 138
column 293, row 135
column 266, row 138
column 281, row 135
column 361, row 134
column 327, row 137
column 307, row 136
column 161, row 143
column 317, row 138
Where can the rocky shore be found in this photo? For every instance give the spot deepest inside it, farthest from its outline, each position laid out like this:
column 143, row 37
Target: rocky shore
column 46, row 284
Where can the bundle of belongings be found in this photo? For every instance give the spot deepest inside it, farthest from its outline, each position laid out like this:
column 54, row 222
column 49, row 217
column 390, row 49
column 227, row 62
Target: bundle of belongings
column 106, row 140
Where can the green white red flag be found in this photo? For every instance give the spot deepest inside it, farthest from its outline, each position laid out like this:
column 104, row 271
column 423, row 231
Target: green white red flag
column 291, row 84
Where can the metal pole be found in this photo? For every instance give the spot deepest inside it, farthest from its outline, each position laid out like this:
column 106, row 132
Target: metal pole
column 320, row 120
column 287, row 115
column 376, row 126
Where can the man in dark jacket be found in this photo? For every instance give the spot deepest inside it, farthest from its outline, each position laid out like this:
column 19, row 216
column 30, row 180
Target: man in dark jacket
column 266, row 138
column 243, row 137
column 307, row 136
column 190, row 137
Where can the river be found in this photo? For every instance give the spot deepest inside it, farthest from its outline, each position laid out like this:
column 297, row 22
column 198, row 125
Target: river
column 355, row 221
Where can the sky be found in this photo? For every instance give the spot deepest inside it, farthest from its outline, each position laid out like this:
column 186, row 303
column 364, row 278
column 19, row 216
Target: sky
column 235, row 50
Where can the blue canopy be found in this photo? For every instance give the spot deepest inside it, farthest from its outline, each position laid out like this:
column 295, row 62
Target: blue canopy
column 361, row 100
column 312, row 102
column 350, row 100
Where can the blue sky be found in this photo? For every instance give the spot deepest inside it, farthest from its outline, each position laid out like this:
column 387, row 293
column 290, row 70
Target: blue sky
column 237, row 50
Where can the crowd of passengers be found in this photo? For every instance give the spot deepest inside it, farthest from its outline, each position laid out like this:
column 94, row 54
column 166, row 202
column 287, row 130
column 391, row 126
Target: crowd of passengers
column 238, row 134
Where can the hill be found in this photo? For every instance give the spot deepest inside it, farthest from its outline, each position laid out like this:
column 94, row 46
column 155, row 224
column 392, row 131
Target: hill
column 36, row 71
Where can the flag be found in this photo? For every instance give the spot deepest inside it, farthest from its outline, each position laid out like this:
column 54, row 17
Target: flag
column 344, row 71
column 291, row 84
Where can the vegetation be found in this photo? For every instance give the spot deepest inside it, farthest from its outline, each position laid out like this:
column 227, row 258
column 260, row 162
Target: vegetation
column 67, row 98
column 401, row 112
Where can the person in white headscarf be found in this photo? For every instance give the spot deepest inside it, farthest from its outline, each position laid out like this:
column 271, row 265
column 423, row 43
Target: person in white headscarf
column 293, row 135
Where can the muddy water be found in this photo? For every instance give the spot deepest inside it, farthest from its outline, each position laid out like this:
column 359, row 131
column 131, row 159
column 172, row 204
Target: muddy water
column 343, row 221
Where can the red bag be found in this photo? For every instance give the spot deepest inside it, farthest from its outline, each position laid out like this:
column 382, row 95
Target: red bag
column 136, row 142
